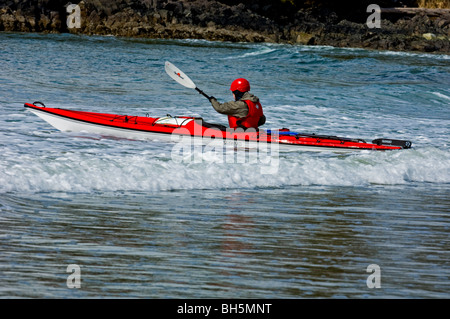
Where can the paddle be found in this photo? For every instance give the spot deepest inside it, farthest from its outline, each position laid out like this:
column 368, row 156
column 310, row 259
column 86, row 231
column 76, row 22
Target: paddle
column 182, row 78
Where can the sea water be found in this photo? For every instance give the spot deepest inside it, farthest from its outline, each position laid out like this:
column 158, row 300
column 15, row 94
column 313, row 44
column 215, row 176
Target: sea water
column 137, row 223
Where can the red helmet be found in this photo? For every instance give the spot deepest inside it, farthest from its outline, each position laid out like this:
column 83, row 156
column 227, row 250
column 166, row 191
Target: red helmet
column 241, row 85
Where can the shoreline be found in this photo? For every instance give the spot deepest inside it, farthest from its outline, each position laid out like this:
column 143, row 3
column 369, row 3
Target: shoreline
column 198, row 42
column 423, row 31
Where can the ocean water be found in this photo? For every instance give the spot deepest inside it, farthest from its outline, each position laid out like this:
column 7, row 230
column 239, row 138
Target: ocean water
column 140, row 224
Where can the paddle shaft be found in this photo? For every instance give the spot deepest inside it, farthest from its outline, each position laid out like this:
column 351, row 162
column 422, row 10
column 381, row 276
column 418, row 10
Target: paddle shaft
column 202, row 93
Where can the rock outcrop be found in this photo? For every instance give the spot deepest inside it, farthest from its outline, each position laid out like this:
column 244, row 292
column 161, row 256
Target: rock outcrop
column 320, row 23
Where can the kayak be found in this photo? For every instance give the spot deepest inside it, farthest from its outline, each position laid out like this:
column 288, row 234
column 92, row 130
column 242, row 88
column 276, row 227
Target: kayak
column 167, row 127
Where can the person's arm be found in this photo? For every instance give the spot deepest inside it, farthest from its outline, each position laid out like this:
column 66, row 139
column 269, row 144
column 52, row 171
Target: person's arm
column 234, row 108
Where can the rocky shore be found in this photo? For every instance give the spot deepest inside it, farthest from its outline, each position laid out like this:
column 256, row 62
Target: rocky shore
column 318, row 23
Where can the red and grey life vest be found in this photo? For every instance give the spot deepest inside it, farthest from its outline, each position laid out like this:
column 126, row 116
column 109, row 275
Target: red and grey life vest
column 255, row 112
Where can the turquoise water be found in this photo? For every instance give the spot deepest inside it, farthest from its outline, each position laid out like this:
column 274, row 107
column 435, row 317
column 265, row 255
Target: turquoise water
column 142, row 225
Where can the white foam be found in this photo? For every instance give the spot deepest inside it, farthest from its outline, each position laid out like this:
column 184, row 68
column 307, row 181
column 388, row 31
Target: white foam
column 443, row 96
column 101, row 171
column 416, row 55
column 257, row 52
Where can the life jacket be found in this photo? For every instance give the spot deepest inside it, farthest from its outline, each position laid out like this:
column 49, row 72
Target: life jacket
column 255, row 112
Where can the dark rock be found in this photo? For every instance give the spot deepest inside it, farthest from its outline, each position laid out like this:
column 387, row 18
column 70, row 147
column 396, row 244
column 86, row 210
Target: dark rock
column 324, row 22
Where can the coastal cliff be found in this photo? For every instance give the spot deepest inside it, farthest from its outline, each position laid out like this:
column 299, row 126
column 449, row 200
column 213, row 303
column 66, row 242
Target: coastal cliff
column 298, row 22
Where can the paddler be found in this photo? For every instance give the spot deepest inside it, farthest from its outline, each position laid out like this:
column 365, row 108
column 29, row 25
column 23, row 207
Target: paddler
column 245, row 111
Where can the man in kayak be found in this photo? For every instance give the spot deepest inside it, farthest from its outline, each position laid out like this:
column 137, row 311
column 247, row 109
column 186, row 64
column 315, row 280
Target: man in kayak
column 245, row 111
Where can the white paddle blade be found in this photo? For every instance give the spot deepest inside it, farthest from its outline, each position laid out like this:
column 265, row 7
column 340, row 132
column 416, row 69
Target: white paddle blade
column 179, row 76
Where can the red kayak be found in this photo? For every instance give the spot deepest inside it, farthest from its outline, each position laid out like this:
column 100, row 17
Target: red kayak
column 165, row 128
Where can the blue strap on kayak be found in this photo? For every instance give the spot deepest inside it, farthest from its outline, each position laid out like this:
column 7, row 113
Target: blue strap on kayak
column 282, row 132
